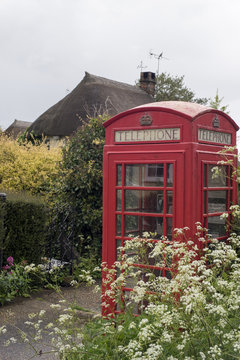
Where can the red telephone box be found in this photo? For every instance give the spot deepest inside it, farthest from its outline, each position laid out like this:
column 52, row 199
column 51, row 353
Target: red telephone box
column 157, row 173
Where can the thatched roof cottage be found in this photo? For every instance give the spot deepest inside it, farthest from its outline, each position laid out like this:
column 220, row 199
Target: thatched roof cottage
column 94, row 95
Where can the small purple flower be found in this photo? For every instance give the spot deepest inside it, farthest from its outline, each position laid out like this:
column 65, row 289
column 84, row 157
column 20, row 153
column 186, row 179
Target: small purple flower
column 6, row 267
column 10, row 260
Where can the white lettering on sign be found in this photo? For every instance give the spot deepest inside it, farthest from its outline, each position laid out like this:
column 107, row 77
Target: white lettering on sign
column 214, row 136
column 171, row 134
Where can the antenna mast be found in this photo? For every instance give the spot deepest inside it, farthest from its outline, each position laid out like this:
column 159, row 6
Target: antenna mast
column 140, row 66
column 158, row 57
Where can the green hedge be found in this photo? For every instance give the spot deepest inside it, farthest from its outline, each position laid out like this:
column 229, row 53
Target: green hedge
column 25, row 228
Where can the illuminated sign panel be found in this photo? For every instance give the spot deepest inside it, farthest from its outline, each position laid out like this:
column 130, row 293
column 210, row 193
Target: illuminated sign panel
column 171, row 134
column 214, row 136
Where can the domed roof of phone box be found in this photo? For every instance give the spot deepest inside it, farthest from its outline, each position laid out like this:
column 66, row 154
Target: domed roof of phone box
column 187, row 110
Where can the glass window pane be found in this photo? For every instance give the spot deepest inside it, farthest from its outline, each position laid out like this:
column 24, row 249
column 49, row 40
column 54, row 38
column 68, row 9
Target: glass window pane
column 143, row 274
column 133, row 200
column 217, row 201
column 131, row 281
column 119, row 200
column 146, row 175
column 217, row 178
column 160, row 204
column 144, row 201
column 119, row 175
column 153, row 225
column 169, row 174
column 169, row 228
column 135, row 307
column 118, row 225
column 216, row 226
column 118, row 252
column 132, row 225
column 205, row 202
column 132, row 255
column 153, row 175
column 137, row 225
column 230, row 177
column 133, row 175
column 205, row 225
column 169, row 202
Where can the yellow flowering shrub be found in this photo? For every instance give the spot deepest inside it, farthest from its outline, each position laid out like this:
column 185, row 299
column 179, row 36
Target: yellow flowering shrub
column 27, row 167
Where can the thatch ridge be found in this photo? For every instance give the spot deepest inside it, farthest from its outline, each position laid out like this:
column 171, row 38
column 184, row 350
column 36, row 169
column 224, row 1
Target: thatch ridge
column 94, row 95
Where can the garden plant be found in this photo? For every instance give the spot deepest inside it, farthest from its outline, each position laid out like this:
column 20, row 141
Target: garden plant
column 192, row 314
column 76, row 197
column 21, row 279
column 28, row 166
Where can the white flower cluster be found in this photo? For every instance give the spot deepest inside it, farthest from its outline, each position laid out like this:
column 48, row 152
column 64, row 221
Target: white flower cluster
column 191, row 313
column 30, row 268
column 200, row 300
column 86, row 277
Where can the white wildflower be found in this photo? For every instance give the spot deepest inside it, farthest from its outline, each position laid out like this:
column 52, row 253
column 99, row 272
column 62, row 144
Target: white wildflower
column 49, row 325
column 55, row 306
column 3, row 329
column 132, row 325
column 73, row 283
column 224, row 216
column 32, row 315
column 13, row 340
column 42, row 313
column 64, row 318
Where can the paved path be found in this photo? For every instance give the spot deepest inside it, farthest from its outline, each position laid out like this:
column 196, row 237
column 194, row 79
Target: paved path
column 20, row 308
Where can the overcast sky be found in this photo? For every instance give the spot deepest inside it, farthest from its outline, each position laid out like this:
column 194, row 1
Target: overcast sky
column 47, row 45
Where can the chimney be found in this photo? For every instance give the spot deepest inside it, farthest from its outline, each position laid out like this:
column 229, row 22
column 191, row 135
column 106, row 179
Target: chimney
column 148, row 82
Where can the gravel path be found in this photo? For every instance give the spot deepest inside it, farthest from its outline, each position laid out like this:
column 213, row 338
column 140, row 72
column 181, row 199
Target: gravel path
column 16, row 313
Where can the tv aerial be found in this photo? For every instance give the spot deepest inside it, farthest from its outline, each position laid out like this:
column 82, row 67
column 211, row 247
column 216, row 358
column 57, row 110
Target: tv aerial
column 140, row 66
column 158, row 57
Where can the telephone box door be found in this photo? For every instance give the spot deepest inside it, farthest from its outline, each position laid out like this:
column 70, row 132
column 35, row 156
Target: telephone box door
column 144, row 194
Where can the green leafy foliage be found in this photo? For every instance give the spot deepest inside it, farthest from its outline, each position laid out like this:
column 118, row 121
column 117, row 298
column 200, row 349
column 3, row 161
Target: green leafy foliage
column 20, row 279
column 2, row 228
column 14, row 283
column 216, row 103
column 172, row 88
column 25, row 221
column 27, row 166
column 102, row 338
column 77, row 196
